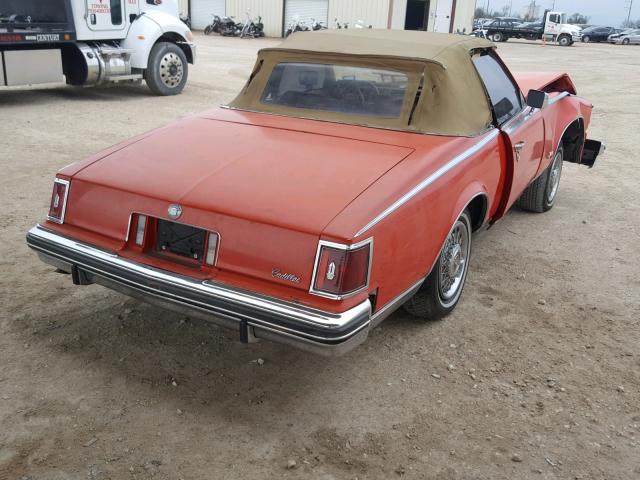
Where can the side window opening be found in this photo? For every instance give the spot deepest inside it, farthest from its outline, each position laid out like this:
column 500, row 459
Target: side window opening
column 116, row 12
column 503, row 93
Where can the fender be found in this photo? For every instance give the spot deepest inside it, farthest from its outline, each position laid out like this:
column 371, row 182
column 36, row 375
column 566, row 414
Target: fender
column 466, row 198
column 145, row 32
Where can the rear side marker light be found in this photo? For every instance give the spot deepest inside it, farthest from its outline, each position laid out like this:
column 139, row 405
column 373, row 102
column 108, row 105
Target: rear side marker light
column 341, row 270
column 142, row 225
column 212, row 248
column 58, row 207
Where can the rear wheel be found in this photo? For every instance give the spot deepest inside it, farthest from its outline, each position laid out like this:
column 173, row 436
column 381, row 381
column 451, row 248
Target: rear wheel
column 440, row 292
column 498, row 37
column 167, row 69
column 586, row 39
column 208, row 30
column 540, row 196
column 625, row 41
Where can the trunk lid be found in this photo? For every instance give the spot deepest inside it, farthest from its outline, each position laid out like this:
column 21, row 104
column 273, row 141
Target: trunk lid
column 269, row 192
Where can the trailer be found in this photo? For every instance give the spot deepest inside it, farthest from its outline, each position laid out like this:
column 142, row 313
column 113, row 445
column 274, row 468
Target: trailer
column 94, row 42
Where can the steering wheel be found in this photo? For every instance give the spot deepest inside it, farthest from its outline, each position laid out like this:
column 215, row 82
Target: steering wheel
column 369, row 90
column 349, row 92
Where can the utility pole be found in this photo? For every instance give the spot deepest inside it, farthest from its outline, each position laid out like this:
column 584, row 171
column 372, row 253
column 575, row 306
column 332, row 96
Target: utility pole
column 629, row 12
column 510, row 6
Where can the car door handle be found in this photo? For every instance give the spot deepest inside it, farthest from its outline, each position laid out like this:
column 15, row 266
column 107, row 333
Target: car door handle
column 518, row 149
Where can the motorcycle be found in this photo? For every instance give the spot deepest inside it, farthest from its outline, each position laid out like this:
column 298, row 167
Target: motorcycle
column 340, row 26
column 296, row 25
column 252, row 28
column 360, row 24
column 315, row 25
column 224, row 26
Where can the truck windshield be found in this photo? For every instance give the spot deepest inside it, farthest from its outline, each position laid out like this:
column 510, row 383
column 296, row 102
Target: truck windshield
column 33, row 13
column 337, row 88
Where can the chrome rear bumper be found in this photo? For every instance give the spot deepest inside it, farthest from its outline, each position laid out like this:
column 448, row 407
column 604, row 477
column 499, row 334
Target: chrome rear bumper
column 254, row 315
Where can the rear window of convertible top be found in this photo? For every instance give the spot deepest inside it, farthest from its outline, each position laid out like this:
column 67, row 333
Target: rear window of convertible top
column 337, row 88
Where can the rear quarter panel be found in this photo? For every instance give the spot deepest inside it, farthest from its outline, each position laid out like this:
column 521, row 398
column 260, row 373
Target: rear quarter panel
column 408, row 241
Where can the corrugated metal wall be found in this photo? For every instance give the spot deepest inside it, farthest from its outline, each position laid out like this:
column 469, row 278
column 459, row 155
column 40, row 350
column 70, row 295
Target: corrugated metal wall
column 269, row 10
column 374, row 12
column 183, row 7
column 371, row 12
column 465, row 11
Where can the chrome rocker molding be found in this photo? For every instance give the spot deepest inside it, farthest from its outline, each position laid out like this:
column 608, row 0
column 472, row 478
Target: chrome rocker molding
column 255, row 315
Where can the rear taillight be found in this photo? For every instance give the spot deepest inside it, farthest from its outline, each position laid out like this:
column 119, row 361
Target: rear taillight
column 58, row 206
column 341, row 270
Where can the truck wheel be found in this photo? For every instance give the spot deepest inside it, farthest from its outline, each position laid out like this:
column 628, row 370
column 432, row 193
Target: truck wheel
column 167, row 70
column 440, row 292
column 540, row 196
column 565, row 41
column 498, row 37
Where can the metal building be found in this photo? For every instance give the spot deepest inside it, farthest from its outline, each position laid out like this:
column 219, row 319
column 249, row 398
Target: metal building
column 431, row 15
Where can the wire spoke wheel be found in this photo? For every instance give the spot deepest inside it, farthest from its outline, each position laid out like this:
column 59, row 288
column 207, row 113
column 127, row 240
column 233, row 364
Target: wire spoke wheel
column 454, row 262
column 554, row 178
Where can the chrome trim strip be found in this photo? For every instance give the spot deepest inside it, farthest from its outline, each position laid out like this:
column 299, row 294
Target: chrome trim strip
column 396, row 303
column 67, row 184
column 318, row 319
column 341, row 246
column 559, row 97
column 429, row 180
column 519, row 120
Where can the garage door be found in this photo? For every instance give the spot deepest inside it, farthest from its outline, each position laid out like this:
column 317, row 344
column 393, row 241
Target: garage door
column 202, row 12
column 305, row 10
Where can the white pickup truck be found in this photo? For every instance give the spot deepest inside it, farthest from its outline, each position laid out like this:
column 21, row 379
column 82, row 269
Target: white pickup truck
column 92, row 42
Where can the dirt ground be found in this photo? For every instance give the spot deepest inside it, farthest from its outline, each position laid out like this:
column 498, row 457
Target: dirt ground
column 539, row 366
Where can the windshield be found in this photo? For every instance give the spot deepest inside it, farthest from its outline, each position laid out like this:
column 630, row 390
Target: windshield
column 337, row 88
column 26, row 12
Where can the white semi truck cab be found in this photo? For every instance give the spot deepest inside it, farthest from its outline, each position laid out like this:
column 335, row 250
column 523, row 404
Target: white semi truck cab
column 556, row 28
column 93, row 42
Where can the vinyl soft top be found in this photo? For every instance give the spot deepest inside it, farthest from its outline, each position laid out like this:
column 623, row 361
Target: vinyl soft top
column 452, row 98
column 444, row 49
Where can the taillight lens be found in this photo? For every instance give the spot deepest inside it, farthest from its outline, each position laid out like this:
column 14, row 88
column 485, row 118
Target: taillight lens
column 212, row 248
column 58, row 206
column 140, row 230
column 342, row 269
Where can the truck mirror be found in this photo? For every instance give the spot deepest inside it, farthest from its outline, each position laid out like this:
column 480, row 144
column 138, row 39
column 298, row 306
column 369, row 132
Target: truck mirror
column 537, row 99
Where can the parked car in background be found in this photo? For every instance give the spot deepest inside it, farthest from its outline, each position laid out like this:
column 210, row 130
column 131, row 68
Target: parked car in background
column 631, row 38
column 597, row 34
column 343, row 182
column 614, row 36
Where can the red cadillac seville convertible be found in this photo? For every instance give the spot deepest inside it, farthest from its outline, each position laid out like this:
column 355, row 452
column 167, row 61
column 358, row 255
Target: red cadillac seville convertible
column 346, row 181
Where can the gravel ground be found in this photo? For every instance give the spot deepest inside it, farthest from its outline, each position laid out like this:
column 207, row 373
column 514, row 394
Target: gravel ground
column 535, row 375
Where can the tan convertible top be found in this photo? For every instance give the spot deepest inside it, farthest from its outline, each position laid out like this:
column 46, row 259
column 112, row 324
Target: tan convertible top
column 453, row 99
